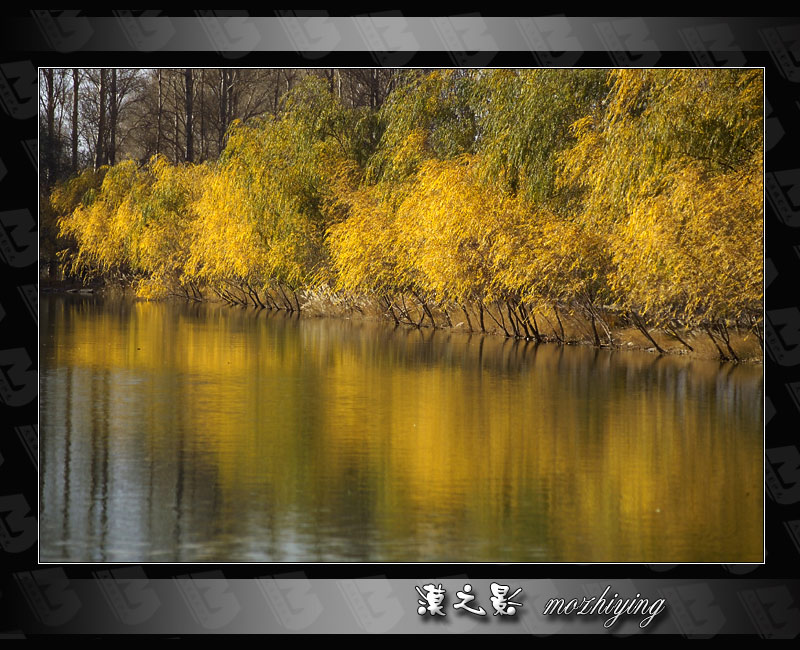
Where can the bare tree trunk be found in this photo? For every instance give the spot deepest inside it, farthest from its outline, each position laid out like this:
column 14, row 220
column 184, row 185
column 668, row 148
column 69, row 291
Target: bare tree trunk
column 643, row 329
column 500, row 324
column 714, row 341
column 425, row 310
column 75, row 86
column 529, row 319
column 588, row 307
column 100, row 154
column 233, row 95
column 673, row 332
column 522, row 319
column 189, row 101
column 466, row 315
column 286, row 300
column 447, row 316
column 112, row 149
column 49, row 148
column 223, row 107
column 726, row 338
column 560, row 324
column 177, row 130
column 203, row 152
column 391, row 310
column 510, row 318
column 755, row 326
column 553, row 328
column 160, row 111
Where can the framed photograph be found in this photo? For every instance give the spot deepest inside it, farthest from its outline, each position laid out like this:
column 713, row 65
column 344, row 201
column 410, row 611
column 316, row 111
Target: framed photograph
column 383, row 323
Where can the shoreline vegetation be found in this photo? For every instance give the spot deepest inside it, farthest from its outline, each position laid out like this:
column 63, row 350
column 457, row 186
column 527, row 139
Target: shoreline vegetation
column 621, row 209
column 563, row 327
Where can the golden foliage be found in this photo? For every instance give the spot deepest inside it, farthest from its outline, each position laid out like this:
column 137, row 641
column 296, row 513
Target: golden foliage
column 635, row 191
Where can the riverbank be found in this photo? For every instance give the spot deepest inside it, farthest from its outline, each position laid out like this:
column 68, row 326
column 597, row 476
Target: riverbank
column 558, row 324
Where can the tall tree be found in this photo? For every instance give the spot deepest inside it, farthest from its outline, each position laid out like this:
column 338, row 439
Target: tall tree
column 113, row 118
column 50, row 111
column 75, row 93
column 100, row 154
column 224, row 92
column 160, row 110
column 203, row 147
column 189, row 106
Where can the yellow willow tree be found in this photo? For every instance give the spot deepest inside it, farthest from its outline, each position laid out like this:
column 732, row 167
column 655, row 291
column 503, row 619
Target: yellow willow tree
column 136, row 225
column 448, row 224
column 548, row 258
column 226, row 253
column 427, row 117
column 365, row 248
column 555, row 264
column 267, row 204
column 695, row 252
column 64, row 199
column 672, row 168
column 524, row 119
column 162, row 209
column 100, row 226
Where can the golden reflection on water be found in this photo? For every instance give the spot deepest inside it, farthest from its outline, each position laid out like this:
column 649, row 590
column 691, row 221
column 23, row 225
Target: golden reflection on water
column 173, row 432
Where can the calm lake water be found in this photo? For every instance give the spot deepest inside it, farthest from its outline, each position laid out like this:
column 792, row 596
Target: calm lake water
column 186, row 433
